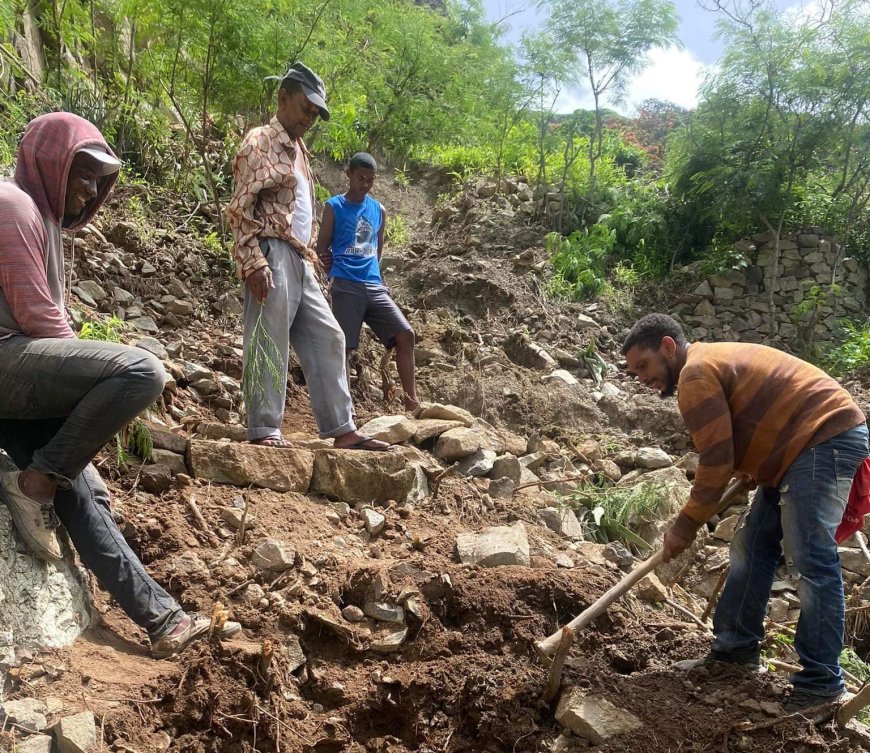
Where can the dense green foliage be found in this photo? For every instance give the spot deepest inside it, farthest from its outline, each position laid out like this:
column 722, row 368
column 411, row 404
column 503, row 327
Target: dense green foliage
column 779, row 140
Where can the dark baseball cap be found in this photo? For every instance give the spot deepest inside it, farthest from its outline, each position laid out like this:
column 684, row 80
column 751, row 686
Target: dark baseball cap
column 312, row 85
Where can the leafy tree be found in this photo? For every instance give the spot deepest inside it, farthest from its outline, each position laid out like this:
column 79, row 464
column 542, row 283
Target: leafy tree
column 609, row 42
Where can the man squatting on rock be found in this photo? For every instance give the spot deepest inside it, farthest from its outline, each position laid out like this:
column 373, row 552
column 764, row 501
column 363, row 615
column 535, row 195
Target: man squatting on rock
column 61, row 398
column 797, row 434
column 272, row 217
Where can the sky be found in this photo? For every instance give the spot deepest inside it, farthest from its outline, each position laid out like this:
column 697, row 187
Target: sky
column 673, row 74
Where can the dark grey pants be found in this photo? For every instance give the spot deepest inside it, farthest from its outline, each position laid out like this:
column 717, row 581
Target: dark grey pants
column 60, row 402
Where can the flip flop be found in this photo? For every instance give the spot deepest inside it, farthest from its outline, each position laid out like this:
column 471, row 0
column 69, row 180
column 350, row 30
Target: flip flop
column 369, row 444
column 279, row 442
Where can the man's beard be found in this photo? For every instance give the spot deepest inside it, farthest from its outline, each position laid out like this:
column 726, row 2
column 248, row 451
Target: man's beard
column 671, row 384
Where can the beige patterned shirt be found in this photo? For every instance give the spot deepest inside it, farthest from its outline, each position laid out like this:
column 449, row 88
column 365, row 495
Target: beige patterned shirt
column 265, row 194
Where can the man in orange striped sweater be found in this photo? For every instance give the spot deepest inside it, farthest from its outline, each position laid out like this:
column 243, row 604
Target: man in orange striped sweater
column 800, row 437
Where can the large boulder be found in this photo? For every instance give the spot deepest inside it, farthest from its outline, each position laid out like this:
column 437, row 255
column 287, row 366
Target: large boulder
column 280, row 469
column 42, row 605
column 397, row 474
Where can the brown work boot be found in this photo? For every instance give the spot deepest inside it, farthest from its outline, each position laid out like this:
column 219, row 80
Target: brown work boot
column 36, row 522
column 191, row 627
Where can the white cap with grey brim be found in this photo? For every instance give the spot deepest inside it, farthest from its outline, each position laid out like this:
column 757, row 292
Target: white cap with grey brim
column 106, row 163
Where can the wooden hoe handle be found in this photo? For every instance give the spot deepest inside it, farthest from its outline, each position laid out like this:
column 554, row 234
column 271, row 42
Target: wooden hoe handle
column 547, row 646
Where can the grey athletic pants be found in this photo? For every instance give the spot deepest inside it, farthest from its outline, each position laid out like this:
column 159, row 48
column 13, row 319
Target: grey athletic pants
column 296, row 313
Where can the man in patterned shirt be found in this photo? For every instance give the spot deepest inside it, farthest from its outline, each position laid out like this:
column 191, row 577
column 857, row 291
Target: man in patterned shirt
column 272, row 217
column 798, row 434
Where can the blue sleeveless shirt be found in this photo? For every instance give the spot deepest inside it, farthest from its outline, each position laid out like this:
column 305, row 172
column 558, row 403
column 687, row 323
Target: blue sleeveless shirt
column 355, row 239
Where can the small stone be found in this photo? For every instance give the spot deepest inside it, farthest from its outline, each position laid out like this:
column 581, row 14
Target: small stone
column 188, row 563
column 561, row 375
column 93, row 289
column 253, row 594
column 274, row 555
column 77, row 733
column 384, row 611
column 352, row 613
column 564, row 521
column 652, row 457
column 26, row 713
column 651, row 589
column 232, row 516
column 293, row 652
column 391, row 429
column 388, row 641
column 35, row 744
column 373, row 520
column 477, row 464
column 155, row 479
column 145, row 324
column 180, row 307
column 447, row 413
column 494, row 547
column 563, row 560
column 594, row 718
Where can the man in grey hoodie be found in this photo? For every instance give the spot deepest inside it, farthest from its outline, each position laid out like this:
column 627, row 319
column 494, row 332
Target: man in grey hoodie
column 61, row 398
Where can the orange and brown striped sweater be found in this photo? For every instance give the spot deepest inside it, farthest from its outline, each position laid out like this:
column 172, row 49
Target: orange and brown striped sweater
column 753, row 409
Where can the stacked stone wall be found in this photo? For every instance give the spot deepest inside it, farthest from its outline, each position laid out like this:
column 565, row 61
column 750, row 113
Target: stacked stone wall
column 734, row 304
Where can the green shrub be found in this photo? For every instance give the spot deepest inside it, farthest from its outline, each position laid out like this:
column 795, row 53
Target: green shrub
column 612, row 513
column 853, row 353
column 397, row 231
column 108, row 331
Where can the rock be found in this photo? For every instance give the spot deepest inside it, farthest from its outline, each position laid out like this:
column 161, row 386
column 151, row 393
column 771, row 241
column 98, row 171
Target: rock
column 652, row 457
column 494, row 547
column 426, row 428
column 253, row 594
column 122, row 297
column 501, row 488
column 563, row 521
column 180, row 307
column 35, row 744
column 513, row 443
column 591, row 552
column 388, row 640
column 391, row 429
column 608, row 468
column 726, row 527
column 293, row 652
column 594, row 718
column 232, row 516
column 373, row 520
column 145, row 324
column 28, row 714
column 689, row 463
column 563, row 560
column 853, row 560
column 457, row 443
column 189, row 563
column 352, row 613
column 446, row 413
column 617, row 553
column 155, row 479
column 77, row 733
column 506, row 466
column 163, row 439
column 280, row 469
column 651, row 589
column 222, row 431
column 384, row 611
column 478, row 464
column 371, row 476
column 168, row 459
column 560, row 375
column 533, row 460
column 584, row 322
column 42, row 605
column 273, row 555
column 777, row 609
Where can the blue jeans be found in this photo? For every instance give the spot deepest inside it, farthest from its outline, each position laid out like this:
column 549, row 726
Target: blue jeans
column 799, row 519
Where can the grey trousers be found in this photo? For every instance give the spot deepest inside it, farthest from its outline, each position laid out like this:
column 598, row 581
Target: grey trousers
column 60, row 402
column 96, row 387
column 296, row 313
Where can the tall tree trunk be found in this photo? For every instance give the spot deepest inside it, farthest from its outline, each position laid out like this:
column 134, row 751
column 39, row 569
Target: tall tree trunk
column 31, row 50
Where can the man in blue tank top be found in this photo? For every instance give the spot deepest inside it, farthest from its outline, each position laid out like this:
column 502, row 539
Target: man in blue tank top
column 350, row 244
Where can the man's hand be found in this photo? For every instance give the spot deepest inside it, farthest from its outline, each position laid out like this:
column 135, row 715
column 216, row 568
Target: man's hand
column 260, row 283
column 673, row 545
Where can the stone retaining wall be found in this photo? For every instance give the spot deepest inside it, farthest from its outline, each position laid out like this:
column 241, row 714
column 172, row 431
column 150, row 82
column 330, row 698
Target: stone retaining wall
column 733, row 305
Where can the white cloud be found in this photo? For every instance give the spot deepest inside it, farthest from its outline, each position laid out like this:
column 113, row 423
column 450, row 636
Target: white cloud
column 673, row 75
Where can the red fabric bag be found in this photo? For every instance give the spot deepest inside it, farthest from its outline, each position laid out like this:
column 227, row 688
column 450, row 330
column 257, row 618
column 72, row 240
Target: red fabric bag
column 858, row 505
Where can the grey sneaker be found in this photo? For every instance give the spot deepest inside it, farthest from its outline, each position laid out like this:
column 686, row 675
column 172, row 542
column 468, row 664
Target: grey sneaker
column 191, row 627
column 35, row 522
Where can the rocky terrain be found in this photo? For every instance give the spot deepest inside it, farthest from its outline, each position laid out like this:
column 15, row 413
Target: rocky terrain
column 390, row 601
